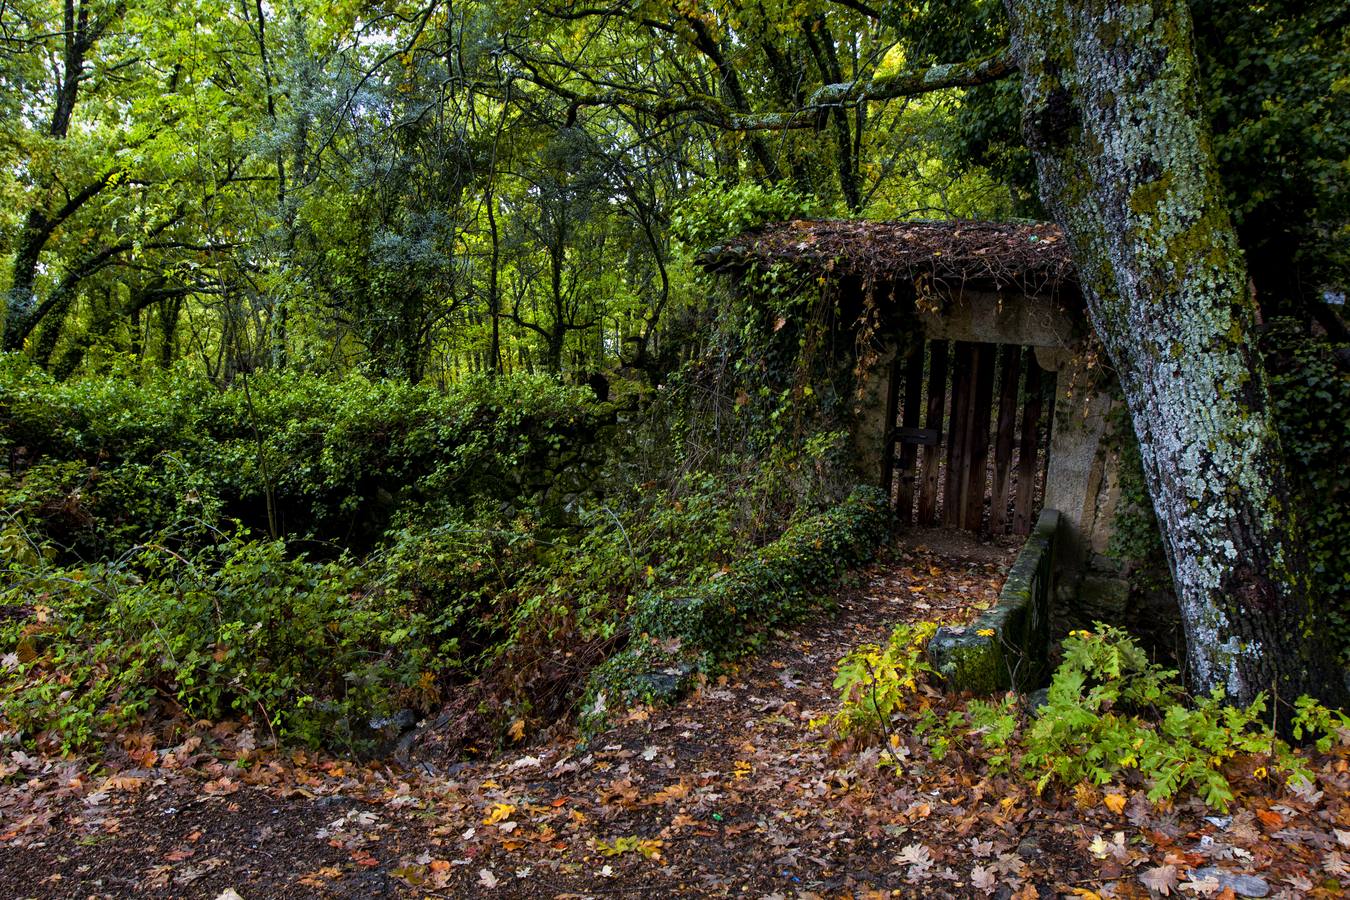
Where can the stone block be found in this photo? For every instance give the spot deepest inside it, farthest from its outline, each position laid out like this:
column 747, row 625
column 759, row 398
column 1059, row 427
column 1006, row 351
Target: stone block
column 1006, row 646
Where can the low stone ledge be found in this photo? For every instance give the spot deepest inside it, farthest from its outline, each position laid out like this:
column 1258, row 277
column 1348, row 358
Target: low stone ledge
column 1006, row 646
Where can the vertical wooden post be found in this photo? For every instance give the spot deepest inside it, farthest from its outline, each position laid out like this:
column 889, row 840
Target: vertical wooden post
column 977, row 444
column 888, row 432
column 904, row 503
column 1027, row 449
column 932, row 454
column 958, row 434
column 1009, row 377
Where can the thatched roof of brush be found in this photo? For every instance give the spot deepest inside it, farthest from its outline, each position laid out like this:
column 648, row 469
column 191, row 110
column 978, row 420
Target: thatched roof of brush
column 1032, row 258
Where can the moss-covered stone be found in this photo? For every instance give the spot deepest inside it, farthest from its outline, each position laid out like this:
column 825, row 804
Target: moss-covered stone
column 678, row 636
column 1006, row 646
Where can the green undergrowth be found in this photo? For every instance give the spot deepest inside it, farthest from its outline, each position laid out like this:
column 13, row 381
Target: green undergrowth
column 234, row 628
column 318, row 556
column 1110, row 716
column 680, row 634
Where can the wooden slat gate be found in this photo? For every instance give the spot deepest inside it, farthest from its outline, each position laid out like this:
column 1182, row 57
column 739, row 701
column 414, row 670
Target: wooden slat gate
column 942, row 433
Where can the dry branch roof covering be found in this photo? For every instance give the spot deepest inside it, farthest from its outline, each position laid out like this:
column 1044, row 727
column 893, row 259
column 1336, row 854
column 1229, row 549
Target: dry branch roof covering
column 1031, row 257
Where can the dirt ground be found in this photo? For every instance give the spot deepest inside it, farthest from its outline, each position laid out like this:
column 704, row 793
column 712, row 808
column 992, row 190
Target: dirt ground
column 729, row 793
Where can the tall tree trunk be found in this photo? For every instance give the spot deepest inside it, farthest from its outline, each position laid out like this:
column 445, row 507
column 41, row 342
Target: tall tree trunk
column 827, row 62
column 494, row 287
column 1113, row 117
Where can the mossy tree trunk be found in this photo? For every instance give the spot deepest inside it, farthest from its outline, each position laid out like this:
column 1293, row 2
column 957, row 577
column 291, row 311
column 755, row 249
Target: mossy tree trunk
column 1113, row 117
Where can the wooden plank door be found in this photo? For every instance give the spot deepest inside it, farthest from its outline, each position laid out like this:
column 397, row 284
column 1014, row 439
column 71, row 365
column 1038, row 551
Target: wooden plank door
column 982, row 444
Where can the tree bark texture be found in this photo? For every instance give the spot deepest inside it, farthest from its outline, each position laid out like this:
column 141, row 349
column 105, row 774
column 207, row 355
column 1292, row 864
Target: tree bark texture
column 1113, row 117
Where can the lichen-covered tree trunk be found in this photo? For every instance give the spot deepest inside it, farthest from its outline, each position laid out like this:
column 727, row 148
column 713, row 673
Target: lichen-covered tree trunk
column 1112, row 114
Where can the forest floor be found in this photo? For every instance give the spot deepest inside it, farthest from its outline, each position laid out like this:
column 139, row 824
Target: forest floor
column 729, row 793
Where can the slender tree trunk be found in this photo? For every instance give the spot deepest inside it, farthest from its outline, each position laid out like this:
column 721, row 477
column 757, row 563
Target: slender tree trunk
column 22, row 309
column 1113, row 117
column 137, row 348
column 827, row 62
column 22, row 303
column 494, row 287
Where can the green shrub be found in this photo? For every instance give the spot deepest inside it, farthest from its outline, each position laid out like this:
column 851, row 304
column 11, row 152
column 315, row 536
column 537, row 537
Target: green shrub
column 336, row 459
column 1110, row 714
column 876, row 683
column 1110, row 710
column 239, row 628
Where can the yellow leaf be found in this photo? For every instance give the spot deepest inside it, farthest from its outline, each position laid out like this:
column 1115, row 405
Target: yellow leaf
column 667, row 794
column 500, row 812
column 517, row 730
column 1085, row 795
column 1115, row 803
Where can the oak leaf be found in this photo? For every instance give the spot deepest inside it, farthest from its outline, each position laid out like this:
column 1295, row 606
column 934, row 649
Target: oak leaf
column 983, row 878
column 1162, row 879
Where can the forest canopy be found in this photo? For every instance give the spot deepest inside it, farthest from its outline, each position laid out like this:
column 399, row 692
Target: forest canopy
column 434, row 189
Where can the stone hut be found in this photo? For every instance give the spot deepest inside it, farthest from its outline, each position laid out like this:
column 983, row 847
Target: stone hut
column 971, row 340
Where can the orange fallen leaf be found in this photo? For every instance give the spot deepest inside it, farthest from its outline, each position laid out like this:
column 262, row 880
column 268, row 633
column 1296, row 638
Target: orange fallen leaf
column 1270, row 818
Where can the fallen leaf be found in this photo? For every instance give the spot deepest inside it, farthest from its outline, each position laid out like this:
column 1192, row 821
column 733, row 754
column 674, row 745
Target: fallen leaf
column 500, row 812
column 915, row 855
column 1162, row 879
column 1270, row 818
column 667, row 794
column 983, row 878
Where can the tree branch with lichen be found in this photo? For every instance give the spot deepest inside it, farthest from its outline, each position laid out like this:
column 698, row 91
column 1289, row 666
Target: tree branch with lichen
column 910, row 83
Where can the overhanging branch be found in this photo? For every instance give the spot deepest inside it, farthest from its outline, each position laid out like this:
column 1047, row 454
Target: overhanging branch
column 851, row 93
